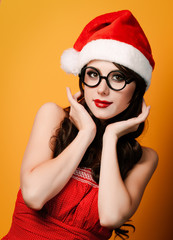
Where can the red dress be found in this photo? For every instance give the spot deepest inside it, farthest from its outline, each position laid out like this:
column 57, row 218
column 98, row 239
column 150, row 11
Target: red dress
column 71, row 215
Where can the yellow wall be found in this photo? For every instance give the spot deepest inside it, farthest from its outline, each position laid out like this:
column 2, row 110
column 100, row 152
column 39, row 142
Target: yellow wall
column 33, row 35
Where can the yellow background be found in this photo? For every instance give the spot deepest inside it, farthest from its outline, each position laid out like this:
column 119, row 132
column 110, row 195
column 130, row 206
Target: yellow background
column 33, row 35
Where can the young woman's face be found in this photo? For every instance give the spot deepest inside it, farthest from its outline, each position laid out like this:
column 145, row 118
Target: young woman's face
column 104, row 102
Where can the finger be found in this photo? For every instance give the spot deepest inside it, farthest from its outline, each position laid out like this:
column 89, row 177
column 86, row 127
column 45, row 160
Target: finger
column 77, row 95
column 69, row 95
column 143, row 116
column 145, row 109
column 72, row 99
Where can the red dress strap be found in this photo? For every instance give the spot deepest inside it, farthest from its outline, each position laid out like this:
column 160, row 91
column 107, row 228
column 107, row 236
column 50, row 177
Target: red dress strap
column 84, row 175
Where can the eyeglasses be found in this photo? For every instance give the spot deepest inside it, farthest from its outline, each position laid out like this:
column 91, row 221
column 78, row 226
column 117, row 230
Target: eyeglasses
column 116, row 80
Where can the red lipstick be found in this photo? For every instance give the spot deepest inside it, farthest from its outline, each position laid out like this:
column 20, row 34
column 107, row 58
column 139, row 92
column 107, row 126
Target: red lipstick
column 102, row 103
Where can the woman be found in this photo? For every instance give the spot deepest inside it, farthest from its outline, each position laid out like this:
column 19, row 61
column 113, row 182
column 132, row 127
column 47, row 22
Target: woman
column 83, row 173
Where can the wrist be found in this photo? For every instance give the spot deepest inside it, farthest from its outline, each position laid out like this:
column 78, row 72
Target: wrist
column 87, row 134
column 110, row 135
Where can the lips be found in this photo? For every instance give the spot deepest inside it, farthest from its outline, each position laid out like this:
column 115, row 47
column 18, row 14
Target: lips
column 102, row 103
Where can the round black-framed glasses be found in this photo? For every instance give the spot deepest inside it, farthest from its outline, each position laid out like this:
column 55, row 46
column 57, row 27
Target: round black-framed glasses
column 116, row 80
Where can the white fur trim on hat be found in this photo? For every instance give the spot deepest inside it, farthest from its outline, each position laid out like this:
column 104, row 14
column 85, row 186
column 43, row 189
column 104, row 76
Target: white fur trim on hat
column 70, row 61
column 122, row 53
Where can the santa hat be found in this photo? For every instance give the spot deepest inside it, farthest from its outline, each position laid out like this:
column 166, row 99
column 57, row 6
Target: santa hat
column 115, row 37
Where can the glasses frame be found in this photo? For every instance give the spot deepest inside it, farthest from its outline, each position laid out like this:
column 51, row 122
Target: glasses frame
column 126, row 79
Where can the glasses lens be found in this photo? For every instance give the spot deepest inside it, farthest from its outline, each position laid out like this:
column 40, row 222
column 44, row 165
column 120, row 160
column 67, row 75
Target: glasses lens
column 91, row 76
column 116, row 80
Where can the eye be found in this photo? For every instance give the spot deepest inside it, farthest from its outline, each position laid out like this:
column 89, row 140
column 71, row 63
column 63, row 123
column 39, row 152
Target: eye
column 116, row 76
column 92, row 74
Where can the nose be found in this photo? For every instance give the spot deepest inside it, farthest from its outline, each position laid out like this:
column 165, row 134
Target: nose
column 103, row 88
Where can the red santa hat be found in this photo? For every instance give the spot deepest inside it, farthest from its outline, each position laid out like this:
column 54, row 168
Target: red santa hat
column 115, row 37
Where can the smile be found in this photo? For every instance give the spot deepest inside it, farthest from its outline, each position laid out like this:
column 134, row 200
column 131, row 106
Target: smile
column 102, row 103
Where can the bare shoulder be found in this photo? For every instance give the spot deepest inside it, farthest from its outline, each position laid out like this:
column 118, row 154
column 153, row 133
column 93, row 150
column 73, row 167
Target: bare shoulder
column 149, row 155
column 53, row 109
column 50, row 112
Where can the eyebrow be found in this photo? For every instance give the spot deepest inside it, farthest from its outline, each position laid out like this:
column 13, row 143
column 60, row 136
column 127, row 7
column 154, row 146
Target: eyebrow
column 100, row 70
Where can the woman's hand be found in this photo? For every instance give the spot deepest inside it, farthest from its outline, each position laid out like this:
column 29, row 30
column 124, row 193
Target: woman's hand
column 131, row 125
column 79, row 116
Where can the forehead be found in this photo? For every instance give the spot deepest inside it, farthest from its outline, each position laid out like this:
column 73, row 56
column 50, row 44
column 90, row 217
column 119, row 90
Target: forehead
column 103, row 66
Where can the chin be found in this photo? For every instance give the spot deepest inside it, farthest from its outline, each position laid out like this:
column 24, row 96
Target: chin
column 106, row 113
column 104, row 116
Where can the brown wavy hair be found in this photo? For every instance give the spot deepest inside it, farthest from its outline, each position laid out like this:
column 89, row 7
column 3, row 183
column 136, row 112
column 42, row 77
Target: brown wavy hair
column 129, row 150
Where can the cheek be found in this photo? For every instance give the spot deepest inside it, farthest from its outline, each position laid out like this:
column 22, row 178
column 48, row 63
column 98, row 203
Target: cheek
column 128, row 92
column 126, row 98
column 88, row 94
column 123, row 98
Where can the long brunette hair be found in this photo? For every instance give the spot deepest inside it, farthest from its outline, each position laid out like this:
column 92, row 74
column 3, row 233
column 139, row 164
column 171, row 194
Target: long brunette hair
column 129, row 150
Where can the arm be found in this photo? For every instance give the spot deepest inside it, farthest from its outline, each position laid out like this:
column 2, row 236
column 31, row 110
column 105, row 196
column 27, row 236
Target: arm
column 118, row 199
column 42, row 177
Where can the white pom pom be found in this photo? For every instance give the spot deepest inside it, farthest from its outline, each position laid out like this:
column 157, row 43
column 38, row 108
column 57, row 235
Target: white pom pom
column 70, row 61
